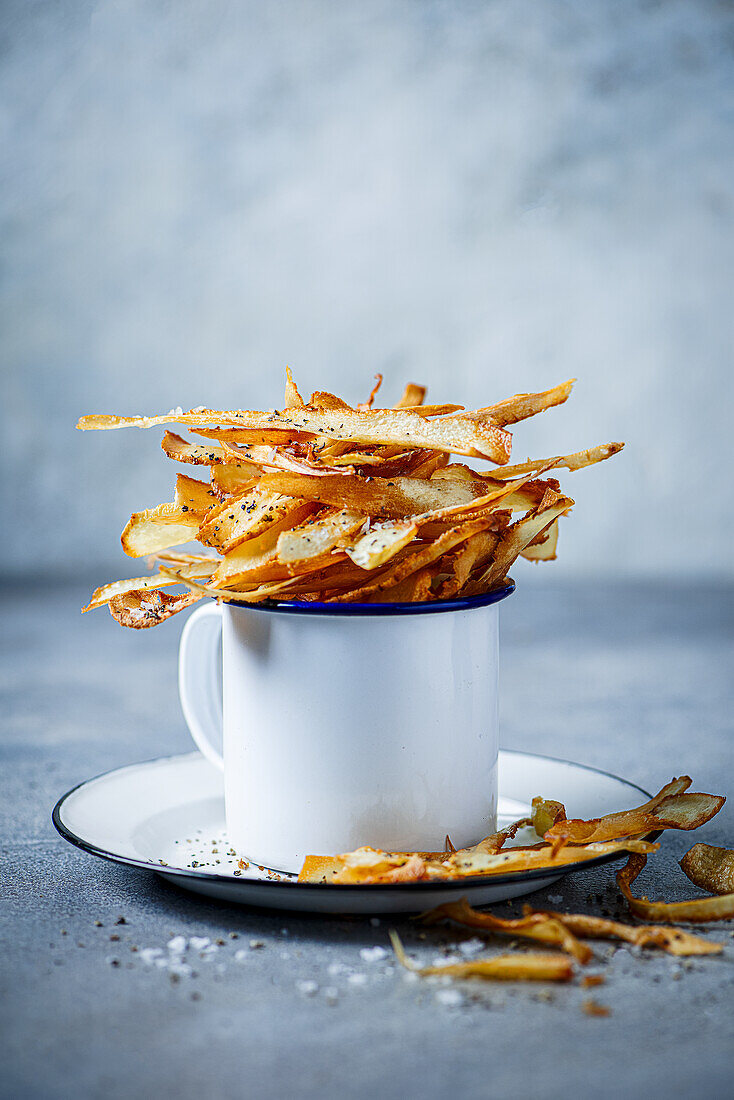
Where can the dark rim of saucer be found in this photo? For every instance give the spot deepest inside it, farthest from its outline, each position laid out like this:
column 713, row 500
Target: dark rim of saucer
column 394, row 888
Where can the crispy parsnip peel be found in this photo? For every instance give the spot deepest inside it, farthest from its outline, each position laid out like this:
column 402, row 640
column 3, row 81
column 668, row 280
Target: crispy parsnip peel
column 525, row 967
column 324, row 501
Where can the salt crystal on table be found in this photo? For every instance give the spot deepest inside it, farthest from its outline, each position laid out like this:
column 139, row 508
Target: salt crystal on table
column 180, row 969
column 241, row 955
column 177, row 945
column 208, row 951
column 373, row 954
column 337, row 968
column 452, row 998
column 308, row 988
column 149, row 954
column 357, row 979
column 198, row 943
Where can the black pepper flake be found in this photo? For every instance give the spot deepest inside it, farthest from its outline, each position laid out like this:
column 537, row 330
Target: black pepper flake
column 120, row 920
column 114, row 936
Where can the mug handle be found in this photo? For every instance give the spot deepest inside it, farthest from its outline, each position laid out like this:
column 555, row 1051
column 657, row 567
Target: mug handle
column 200, row 680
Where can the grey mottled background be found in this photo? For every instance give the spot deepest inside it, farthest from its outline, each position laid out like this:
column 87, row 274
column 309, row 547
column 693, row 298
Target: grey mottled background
column 487, row 197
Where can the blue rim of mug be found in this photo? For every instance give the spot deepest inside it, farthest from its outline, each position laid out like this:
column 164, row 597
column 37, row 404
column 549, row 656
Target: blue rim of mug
column 423, row 607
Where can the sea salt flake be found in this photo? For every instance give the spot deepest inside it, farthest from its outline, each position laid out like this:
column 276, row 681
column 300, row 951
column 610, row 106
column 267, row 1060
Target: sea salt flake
column 446, row 960
column 357, row 979
column 373, row 954
column 337, row 968
column 180, row 969
column 148, row 955
column 241, row 955
column 452, row 998
column 198, row 943
column 177, row 945
column 471, row 947
column 308, row 988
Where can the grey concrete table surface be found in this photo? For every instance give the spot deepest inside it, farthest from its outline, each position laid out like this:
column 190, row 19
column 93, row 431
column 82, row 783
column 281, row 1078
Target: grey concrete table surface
column 632, row 678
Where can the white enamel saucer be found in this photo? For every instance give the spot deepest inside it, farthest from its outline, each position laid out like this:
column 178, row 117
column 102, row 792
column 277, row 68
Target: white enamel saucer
column 167, row 816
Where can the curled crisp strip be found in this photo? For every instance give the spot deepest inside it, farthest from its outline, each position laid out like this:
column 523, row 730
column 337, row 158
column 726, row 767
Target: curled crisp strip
column 565, row 930
column 143, row 609
column 693, row 911
column 526, row 967
column 674, row 807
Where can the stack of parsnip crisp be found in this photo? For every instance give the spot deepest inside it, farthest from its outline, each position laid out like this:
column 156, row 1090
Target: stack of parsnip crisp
column 322, row 501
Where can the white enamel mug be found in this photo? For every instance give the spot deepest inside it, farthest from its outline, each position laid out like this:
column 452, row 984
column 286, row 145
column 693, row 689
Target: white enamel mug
column 338, row 725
